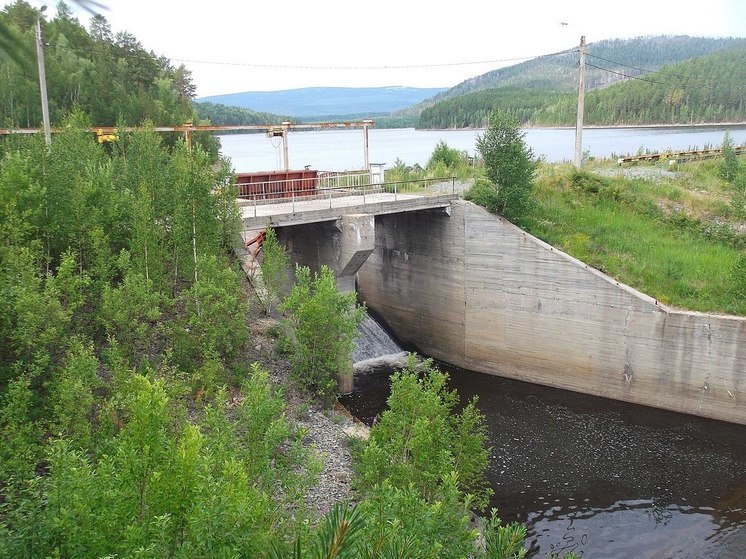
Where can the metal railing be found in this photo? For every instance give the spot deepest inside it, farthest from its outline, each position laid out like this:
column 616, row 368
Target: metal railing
column 331, row 188
column 344, row 179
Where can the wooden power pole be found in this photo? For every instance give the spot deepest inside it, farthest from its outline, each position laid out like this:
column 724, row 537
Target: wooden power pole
column 581, row 107
column 43, row 81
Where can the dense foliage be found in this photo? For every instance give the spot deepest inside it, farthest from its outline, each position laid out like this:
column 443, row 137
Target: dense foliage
column 321, row 325
column 110, row 77
column 122, row 319
column 420, row 439
column 275, row 265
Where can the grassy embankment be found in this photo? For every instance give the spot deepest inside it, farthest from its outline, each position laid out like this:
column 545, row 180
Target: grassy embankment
column 674, row 237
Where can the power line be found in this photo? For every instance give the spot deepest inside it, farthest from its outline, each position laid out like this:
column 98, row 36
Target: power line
column 383, row 67
column 626, row 75
column 703, row 82
column 620, row 63
column 699, row 79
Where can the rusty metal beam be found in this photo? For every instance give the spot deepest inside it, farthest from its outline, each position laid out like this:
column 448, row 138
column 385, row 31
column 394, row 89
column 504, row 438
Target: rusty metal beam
column 203, row 128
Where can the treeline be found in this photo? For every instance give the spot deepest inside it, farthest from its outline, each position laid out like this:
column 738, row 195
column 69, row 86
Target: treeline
column 704, row 89
column 111, row 77
column 226, row 115
column 473, row 110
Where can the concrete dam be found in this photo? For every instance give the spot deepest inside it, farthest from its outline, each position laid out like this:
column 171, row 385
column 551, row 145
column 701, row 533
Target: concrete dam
column 471, row 289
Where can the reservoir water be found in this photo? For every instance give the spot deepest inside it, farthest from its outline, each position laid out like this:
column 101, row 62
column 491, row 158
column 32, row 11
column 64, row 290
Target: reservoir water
column 340, row 150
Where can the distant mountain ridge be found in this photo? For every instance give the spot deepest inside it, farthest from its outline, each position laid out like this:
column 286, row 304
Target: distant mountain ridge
column 702, row 89
column 324, row 101
column 558, row 72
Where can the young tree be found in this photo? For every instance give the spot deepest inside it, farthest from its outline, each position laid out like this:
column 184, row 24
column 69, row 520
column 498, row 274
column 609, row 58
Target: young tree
column 443, row 153
column 420, row 441
column 509, row 166
column 275, row 265
column 322, row 324
column 729, row 166
column 213, row 318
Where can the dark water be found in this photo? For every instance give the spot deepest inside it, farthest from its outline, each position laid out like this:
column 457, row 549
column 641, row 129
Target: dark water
column 601, row 478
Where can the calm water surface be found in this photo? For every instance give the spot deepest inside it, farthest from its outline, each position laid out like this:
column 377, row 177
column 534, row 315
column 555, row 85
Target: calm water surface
column 339, row 150
column 601, row 478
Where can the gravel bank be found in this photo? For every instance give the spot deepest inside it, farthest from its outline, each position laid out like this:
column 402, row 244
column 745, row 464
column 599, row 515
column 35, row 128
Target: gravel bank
column 327, row 429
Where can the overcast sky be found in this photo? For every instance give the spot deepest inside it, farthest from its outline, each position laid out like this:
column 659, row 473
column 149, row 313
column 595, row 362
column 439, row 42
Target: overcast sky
column 233, row 46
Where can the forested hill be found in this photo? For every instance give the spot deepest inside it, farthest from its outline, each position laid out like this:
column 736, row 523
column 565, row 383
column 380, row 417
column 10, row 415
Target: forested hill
column 220, row 114
column 704, row 89
column 558, row 72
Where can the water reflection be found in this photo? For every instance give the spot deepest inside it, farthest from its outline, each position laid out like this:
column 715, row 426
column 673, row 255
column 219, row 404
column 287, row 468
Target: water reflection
column 603, row 478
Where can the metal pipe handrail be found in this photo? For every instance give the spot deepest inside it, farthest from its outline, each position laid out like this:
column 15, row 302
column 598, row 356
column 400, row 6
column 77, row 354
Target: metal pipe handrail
column 422, row 187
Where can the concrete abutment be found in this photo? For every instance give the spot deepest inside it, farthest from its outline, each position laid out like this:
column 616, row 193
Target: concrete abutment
column 476, row 291
column 473, row 290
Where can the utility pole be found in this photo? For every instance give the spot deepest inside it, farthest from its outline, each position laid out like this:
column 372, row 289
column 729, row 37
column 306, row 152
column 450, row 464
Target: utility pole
column 366, row 161
column 285, row 128
column 581, row 107
column 43, row 80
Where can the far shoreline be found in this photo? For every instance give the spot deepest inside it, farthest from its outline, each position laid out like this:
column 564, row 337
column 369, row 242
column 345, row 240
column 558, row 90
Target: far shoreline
column 599, row 127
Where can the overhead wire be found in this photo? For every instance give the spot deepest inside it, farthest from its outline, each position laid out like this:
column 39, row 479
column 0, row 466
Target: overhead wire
column 697, row 79
column 620, row 63
column 362, row 67
column 625, row 75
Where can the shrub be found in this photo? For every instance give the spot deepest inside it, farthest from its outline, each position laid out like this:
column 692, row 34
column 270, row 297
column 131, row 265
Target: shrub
column 508, row 164
column 321, row 324
column 420, row 441
column 275, row 265
column 450, row 157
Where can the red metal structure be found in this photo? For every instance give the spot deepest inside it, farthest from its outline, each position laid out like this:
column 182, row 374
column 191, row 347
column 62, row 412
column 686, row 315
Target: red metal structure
column 277, row 184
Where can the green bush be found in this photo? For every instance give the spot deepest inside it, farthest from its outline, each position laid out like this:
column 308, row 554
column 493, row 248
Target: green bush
column 420, row 440
column 484, row 194
column 508, row 164
column 275, row 267
column 131, row 312
column 321, row 324
column 166, row 488
column 448, row 156
column 213, row 318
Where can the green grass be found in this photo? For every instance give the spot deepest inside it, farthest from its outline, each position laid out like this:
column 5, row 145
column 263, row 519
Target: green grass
column 664, row 238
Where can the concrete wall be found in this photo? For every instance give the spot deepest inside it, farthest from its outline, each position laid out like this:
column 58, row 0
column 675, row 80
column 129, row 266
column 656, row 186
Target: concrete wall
column 475, row 291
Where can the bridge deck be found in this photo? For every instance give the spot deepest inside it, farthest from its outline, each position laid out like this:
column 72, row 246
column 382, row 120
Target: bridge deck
column 328, row 207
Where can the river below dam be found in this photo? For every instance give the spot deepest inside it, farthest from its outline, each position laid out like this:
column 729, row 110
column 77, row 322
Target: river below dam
column 602, row 478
